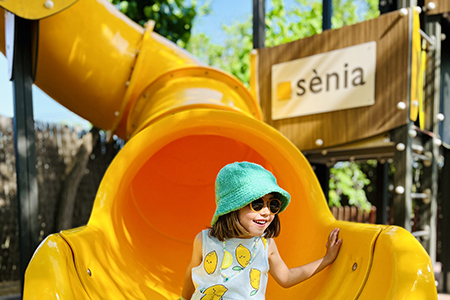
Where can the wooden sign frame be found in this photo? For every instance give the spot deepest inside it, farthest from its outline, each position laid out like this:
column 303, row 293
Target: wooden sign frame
column 393, row 34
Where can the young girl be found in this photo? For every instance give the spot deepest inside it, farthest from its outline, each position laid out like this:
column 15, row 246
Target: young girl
column 232, row 258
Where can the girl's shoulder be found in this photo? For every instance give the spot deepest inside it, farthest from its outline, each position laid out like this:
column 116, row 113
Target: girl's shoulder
column 272, row 246
column 199, row 236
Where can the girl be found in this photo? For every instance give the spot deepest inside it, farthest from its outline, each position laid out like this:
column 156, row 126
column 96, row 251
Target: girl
column 232, row 258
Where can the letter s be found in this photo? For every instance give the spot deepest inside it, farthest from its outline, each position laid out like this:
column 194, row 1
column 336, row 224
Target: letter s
column 299, row 84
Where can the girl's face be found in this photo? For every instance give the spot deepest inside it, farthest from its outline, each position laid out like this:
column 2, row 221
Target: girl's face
column 256, row 222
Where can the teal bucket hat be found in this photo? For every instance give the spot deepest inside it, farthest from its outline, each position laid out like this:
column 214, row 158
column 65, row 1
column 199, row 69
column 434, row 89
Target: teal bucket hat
column 240, row 183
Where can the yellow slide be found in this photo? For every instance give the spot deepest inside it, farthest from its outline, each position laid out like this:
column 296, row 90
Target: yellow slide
column 185, row 121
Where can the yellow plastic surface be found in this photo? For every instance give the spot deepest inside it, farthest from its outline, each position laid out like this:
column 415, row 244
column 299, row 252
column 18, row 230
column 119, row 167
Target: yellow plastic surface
column 187, row 89
column 416, row 71
column 35, row 9
column 186, row 121
column 423, row 65
column 400, row 269
column 52, row 272
column 158, row 193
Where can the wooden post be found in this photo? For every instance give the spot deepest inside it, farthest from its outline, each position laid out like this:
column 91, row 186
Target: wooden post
column 406, row 3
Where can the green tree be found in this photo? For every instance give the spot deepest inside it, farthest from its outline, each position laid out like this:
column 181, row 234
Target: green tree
column 173, row 18
column 282, row 26
column 347, row 182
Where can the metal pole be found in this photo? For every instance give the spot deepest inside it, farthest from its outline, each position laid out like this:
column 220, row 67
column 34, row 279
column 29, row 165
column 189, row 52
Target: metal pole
column 402, row 204
column 327, row 12
column 27, row 194
column 445, row 224
column 430, row 172
column 259, row 24
column 444, row 132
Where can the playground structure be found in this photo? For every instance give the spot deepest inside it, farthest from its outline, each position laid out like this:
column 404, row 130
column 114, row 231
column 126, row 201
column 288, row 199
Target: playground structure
column 184, row 121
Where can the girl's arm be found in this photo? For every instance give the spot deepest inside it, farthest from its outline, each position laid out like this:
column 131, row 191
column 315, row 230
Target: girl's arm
column 196, row 260
column 289, row 277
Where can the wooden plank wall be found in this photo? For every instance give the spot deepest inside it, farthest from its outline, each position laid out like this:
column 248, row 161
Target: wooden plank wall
column 391, row 32
column 442, row 6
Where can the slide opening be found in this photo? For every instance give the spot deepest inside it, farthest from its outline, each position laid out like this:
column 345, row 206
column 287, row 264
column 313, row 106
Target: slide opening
column 159, row 193
column 174, row 190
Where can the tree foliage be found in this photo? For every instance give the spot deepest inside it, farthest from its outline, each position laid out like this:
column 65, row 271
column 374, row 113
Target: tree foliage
column 347, row 181
column 282, row 26
column 173, row 18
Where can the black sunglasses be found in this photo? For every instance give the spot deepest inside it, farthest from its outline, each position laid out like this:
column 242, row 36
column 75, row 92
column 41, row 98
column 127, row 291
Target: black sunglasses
column 273, row 204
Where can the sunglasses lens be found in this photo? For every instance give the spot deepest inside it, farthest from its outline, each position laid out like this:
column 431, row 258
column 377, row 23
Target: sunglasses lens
column 257, row 205
column 275, row 206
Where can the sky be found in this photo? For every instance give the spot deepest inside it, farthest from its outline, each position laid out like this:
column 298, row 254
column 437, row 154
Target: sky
column 223, row 12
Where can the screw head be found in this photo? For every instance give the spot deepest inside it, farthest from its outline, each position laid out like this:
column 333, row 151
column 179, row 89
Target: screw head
column 400, row 190
column 49, row 4
column 355, row 266
column 431, row 5
column 400, row 147
column 412, row 133
column 403, row 12
column 401, row 105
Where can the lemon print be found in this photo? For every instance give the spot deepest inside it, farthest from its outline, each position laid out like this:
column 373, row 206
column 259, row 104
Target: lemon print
column 254, row 280
column 227, row 260
column 243, row 255
column 210, row 262
column 214, row 292
column 264, row 240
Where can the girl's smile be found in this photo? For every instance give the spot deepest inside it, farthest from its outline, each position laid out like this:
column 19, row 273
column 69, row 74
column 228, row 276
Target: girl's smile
column 256, row 222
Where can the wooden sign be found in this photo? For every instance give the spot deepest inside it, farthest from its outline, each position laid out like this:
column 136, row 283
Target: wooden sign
column 392, row 34
column 324, row 82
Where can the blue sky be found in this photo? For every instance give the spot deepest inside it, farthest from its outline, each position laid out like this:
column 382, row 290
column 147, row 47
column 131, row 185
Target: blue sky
column 223, row 12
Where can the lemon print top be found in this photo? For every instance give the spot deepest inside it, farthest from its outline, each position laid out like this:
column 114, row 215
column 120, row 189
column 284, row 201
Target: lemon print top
column 234, row 269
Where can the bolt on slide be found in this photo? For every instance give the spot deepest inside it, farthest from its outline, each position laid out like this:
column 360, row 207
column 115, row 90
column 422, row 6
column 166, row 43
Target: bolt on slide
column 184, row 122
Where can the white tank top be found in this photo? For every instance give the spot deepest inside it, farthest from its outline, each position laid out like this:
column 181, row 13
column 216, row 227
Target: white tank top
column 235, row 270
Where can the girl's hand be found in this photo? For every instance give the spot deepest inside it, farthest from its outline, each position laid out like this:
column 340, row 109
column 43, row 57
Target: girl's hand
column 333, row 245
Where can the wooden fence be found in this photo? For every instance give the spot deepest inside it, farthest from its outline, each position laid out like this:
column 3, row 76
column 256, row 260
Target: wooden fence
column 354, row 214
column 56, row 148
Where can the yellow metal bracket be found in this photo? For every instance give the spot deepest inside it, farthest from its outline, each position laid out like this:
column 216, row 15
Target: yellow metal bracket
column 35, row 9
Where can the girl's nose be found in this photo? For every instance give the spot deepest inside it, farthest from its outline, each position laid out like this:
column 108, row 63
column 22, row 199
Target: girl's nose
column 265, row 211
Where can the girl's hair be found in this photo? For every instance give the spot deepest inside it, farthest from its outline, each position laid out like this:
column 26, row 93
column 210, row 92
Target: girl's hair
column 228, row 227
